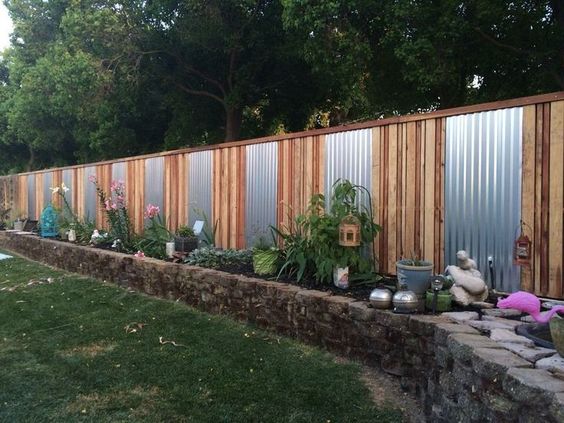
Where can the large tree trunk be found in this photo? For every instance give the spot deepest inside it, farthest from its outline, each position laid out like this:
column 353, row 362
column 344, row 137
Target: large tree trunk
column 31, row 161
column 233, row 121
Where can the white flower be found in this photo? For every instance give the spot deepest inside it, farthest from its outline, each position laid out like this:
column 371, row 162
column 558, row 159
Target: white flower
column 55, row 190
column 64, row 187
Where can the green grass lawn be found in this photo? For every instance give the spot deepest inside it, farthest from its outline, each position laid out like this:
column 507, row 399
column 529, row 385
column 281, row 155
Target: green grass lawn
column 65, row 355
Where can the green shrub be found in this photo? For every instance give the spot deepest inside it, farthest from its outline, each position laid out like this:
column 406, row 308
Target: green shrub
column 213, row 259
column 185, row 232
column 311, row 243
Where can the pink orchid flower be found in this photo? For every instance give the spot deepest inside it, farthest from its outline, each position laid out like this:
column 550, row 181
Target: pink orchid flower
column 151, row 211
column 139, row 254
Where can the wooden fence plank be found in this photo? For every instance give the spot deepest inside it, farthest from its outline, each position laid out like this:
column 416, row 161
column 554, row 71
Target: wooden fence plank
column 528, row 187
column 394, row 180
column 555, row 200
column 376, row 181
column 429, row 190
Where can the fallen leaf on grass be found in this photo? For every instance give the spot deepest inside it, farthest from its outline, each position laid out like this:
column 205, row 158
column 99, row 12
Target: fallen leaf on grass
column 134, row 327
column 163, row 342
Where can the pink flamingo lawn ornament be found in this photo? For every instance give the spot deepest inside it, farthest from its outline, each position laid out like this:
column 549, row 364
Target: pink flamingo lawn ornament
column 529, row 303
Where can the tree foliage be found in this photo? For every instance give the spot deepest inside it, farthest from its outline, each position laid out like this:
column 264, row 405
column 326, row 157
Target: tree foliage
column 86, row 80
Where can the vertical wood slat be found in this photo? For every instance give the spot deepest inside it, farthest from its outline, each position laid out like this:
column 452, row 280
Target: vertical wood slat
column 104, row 177
column 301, row 169
column 175, row 191
column 376, row 188
column 135, row 193
column 408, row 162
column 528, row 188
column 391, row 228
column 543, row 197
column 555, row 199
column 56, row 200
column 229, row 181
column 22, row 202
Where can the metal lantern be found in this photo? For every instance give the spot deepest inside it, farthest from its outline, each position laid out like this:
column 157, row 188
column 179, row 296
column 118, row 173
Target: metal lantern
column 349, row 231
column 48, row 222
column 522, row 251
column 522, row 248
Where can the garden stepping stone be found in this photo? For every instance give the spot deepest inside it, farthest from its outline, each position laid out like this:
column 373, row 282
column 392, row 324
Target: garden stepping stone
column 503, row 312
column 554, row 364
column 506, row 335
column 461, row 316
column 488, row 326
column 532, row 354
column 507, row 322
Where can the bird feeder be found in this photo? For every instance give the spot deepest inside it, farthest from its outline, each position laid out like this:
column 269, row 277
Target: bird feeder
column 48, row 222
column 349, row 231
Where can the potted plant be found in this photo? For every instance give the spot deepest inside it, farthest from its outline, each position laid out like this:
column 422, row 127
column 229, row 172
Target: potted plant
column 265, row 258
column 185, row 240
column 415, row 274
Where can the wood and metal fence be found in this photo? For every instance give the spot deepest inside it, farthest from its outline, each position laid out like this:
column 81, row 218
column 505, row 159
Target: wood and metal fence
column 446, row 178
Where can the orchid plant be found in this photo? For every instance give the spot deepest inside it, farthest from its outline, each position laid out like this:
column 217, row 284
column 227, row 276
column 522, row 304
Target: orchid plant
column 156, row 234
column 67, row 209
column 71, row 220
column 115, row 209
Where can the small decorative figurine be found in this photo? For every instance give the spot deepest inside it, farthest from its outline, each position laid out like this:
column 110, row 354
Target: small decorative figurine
column 96, row 237
column 529, row 303
column 468, row 285
column 48, row 222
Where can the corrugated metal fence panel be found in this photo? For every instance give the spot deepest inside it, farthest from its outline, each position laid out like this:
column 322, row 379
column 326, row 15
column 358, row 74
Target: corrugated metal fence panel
column 154, row 177
column 47, row 183
column 199, row 186
column 261, row 191
column 90, row 199
column 67, row 180
column 119, row 172
column 348, row 155
column 483, row 191
column 31, row 208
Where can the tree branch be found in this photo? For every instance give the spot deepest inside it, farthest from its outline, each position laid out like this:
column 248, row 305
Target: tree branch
column 201, row 93
column 192, row 69
column 498, row 43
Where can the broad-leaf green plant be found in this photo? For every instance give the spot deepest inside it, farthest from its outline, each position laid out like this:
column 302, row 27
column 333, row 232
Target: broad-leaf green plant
column 311, row 243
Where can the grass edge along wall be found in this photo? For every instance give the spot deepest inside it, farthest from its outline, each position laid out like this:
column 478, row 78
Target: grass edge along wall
column 406, row 177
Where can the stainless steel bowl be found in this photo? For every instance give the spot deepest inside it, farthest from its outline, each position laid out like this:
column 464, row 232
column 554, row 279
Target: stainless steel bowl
column 381, row 298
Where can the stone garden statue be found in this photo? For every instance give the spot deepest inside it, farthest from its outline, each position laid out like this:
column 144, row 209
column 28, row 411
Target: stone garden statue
column 468, row 284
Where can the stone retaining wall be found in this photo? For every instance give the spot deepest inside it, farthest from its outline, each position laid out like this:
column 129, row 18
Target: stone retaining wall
column 457, row 374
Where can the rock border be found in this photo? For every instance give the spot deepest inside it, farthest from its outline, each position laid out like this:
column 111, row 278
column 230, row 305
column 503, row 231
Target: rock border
column 456, row 374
